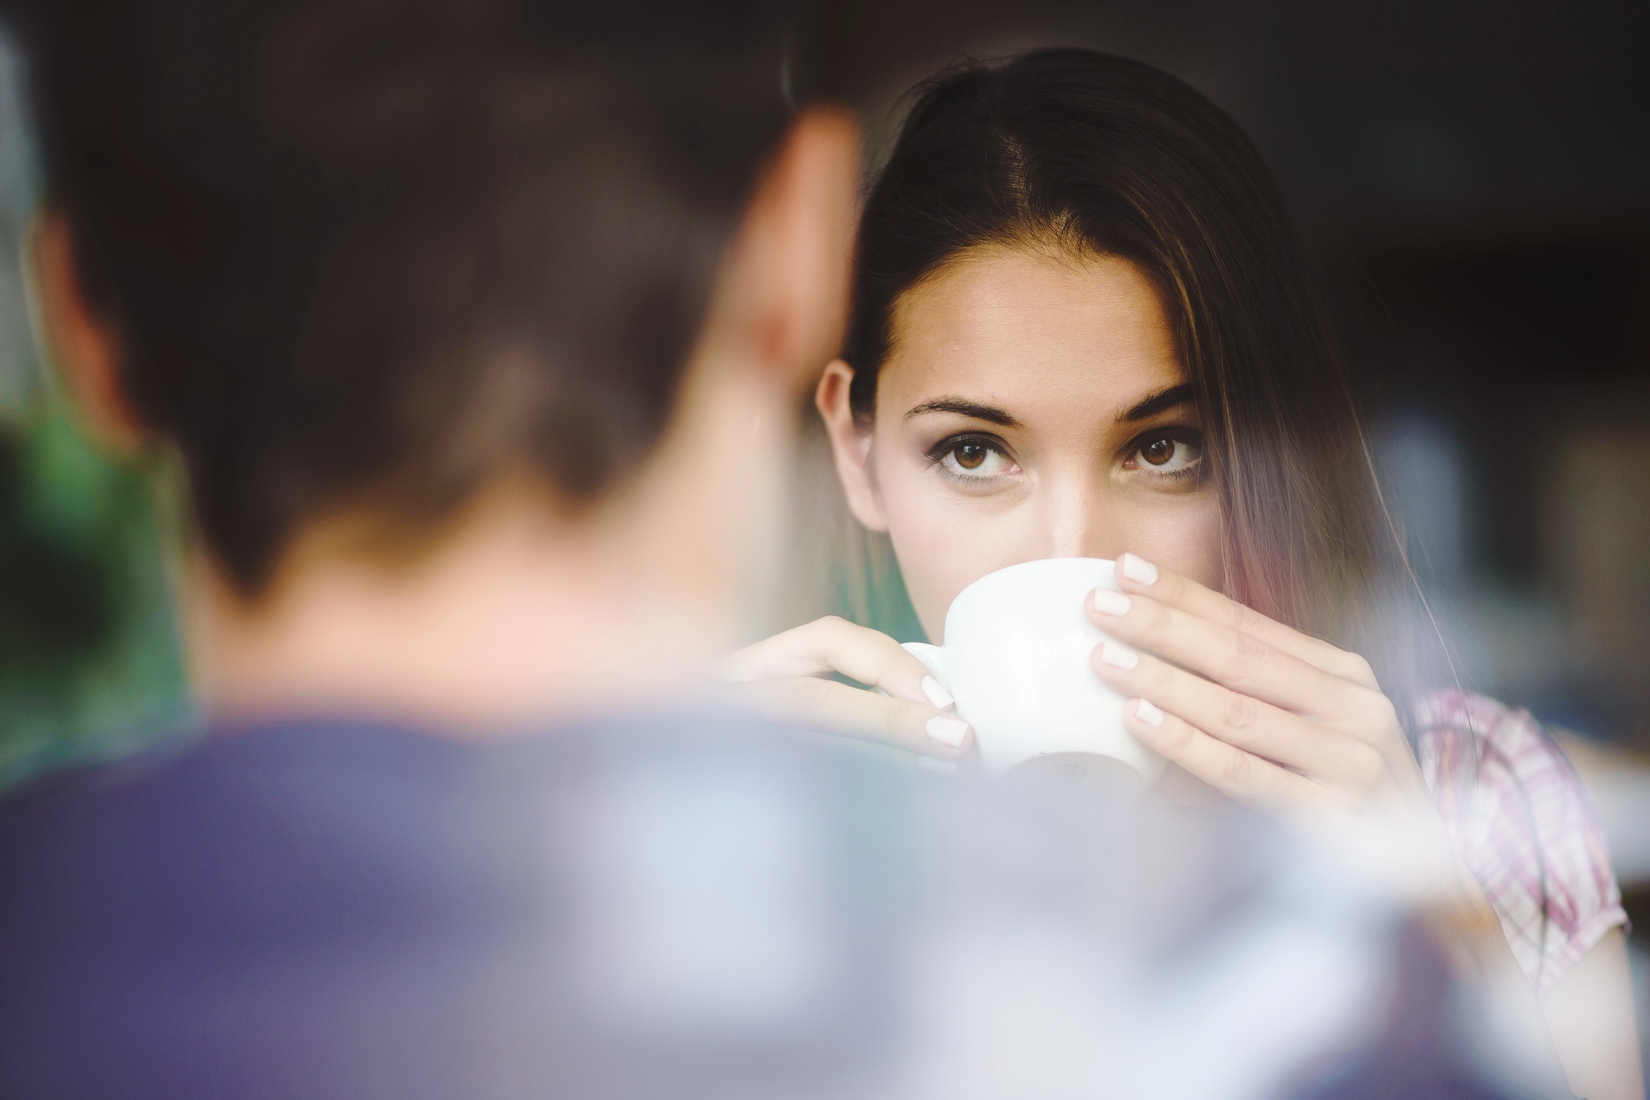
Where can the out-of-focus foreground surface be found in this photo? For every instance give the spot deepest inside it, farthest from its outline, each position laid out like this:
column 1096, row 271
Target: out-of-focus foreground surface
column 1476, row 181
column 700, row 910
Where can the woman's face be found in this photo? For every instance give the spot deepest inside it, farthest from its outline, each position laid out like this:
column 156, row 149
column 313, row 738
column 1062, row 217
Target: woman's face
column 1032, row 406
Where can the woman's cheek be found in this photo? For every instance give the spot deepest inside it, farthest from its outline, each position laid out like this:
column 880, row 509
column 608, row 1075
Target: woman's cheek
column 1185, row 538
column 942, row 545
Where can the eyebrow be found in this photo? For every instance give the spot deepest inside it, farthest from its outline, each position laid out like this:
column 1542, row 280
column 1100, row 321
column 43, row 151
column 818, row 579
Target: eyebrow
column 989, row 413
column 1151, row 406
column 1158, row 402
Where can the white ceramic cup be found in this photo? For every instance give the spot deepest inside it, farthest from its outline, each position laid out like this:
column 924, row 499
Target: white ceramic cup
column 1016, row 658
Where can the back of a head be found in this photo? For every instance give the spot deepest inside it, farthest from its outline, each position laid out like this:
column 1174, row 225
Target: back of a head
column 369, row 254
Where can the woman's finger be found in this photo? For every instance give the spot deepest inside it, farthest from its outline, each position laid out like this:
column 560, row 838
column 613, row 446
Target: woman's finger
column 1243, row 775
column 1241, row 661
column 836, row 645
column 829, row 706
column 1241, row 721
column 1135, row 574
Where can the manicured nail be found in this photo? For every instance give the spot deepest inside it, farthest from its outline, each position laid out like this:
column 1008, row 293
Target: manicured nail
column 1118, row 655
column 1108, row 602
column 1147, row 713
column 936, row 694
column 1138, row 570
column 947, row 731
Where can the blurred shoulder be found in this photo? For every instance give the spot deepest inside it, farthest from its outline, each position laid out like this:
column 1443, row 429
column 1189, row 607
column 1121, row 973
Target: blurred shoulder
column 1440, row 713
column 1524, row 822
column 1473, row 749
column 1459, row 735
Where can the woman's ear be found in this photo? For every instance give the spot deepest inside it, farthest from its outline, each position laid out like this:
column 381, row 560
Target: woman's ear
column 84, row 347
column 850, row 444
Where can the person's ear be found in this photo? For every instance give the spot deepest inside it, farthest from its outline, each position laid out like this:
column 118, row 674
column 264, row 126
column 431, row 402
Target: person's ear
column 850, row 444
column 791, row 261
column 84, row 346
column 703, row 522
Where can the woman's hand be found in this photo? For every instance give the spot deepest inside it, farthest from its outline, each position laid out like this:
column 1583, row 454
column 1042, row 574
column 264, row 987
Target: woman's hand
column 1297, row 727
column 1264, row 713
column 781, row 677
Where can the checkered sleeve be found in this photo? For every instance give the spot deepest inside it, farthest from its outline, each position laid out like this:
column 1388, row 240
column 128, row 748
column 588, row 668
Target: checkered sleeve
column 1525, row 825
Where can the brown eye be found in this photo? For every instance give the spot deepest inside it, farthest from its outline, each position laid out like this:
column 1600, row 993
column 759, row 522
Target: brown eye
column 971, row 459
column 971, row 455
column 1177, row 453
column 1158, row 451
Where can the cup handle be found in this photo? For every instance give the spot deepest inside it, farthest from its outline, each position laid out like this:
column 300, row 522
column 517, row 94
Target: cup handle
column 932, row 657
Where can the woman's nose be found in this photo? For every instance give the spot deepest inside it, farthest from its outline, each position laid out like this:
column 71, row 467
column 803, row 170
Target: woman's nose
column 1076, row 518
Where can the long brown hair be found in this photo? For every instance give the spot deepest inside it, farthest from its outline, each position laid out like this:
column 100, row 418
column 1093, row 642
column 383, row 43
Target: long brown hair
column 1102, row 155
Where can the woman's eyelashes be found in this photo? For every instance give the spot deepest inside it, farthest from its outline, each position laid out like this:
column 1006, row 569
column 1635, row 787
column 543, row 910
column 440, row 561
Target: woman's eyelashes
column 1174, row 453
column 1171, row 455
column 972, row 458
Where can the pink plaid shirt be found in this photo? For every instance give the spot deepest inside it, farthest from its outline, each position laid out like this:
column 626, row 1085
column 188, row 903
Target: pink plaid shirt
column 1524, row 823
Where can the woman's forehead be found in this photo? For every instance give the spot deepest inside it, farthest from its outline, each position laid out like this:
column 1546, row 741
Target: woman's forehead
column 1029, row 326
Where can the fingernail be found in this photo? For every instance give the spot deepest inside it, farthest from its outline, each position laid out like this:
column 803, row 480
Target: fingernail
column 1108, row 602
column 1147, row 713
column 936, row 694
column 1138, row 570
column 947, row 731
column 1118, row 655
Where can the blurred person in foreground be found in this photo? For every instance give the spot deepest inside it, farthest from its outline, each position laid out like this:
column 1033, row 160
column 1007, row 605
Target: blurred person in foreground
column 479, row 330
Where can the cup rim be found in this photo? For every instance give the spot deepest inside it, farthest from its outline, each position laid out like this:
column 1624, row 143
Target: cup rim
column 1042, row 563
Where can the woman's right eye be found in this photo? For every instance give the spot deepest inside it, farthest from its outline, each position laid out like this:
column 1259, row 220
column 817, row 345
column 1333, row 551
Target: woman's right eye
column 970, row 458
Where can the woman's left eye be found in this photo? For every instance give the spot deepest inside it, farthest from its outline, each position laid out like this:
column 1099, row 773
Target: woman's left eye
column 1169, row 453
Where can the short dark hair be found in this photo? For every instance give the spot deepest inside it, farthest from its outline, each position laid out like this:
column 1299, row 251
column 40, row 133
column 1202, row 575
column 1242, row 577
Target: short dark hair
column 375, row 252
column 1094, row 154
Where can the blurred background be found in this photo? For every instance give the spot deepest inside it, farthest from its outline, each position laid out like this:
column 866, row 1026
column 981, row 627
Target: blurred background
column 1474, row 179
column 89, row 661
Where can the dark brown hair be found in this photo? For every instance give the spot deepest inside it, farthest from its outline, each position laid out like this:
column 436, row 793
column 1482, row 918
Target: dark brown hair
column 373, row 252
column 1101, row 155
